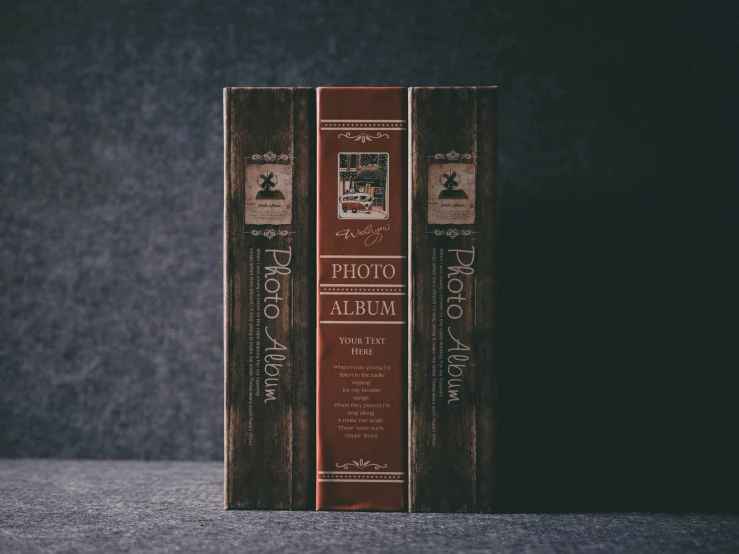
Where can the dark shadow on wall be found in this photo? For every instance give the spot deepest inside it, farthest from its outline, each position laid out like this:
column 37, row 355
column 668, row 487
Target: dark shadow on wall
column 617, row 378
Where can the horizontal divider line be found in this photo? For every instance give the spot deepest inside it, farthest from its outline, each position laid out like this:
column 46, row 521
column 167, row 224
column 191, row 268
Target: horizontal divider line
column 363, row 129
column 363, row 472
column 366, row 322
column 361, row 480
column 363, row 285
column 363, row 121
column 355, row 256
column 366, row 293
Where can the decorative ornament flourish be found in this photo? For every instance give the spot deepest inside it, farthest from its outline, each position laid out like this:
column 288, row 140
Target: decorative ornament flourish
column 270, row 157
column 452, row 233
column 270, row 233
column 364, row 137
column 453, row 156
column 362, row 464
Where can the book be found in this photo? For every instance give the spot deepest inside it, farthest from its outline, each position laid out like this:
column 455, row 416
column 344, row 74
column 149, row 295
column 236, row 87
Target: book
column 361, row 358
column 269, row 279
column 453, row 188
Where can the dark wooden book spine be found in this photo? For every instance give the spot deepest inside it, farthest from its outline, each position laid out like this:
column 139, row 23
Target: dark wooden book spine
column 453, row 166
column 269, row 256
column 362, row 301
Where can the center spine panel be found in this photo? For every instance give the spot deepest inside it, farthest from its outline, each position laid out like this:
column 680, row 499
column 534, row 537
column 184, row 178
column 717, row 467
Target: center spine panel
column 362, row 249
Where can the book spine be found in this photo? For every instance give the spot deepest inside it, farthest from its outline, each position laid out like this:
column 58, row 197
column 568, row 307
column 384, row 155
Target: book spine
column 453, row 166
column 269, row 176
column 361, row 299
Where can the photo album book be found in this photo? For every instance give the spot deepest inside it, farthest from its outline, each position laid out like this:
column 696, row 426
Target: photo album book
column 359, row 284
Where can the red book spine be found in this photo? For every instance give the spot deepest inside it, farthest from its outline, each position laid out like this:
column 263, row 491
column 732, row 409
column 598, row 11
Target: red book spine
column 361, row 411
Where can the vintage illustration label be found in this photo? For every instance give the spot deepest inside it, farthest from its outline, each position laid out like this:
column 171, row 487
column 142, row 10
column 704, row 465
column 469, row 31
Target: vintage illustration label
column 363, row 185
column 269, row 194
column 451, row 193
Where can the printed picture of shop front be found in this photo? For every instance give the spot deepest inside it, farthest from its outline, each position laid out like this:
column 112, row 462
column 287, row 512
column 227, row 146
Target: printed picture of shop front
column 363, row 185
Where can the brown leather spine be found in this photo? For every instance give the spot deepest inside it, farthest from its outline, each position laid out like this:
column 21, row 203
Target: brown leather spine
column 361, row 299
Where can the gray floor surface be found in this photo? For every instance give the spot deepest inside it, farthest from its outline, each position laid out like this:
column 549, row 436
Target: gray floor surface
column 136, row 506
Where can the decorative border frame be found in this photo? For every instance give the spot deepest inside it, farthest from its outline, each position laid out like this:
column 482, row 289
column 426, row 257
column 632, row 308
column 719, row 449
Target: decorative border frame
column 361, row 464
column 363, row 475
column 454, row 156
column 364, row 137
column 270, row 233
column 451, row 233
column 366, row 125
column 268, row 157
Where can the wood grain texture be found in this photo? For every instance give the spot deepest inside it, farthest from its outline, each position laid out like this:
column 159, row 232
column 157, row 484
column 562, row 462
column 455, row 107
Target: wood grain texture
column 268, row 445
column 452, row 421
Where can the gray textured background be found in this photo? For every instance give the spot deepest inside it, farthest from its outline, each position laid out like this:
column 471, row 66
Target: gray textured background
column 618, row 307
column 162, row 506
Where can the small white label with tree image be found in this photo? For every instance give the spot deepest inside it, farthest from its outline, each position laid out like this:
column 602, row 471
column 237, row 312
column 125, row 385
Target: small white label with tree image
column 269, row 194
column 451, row 193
